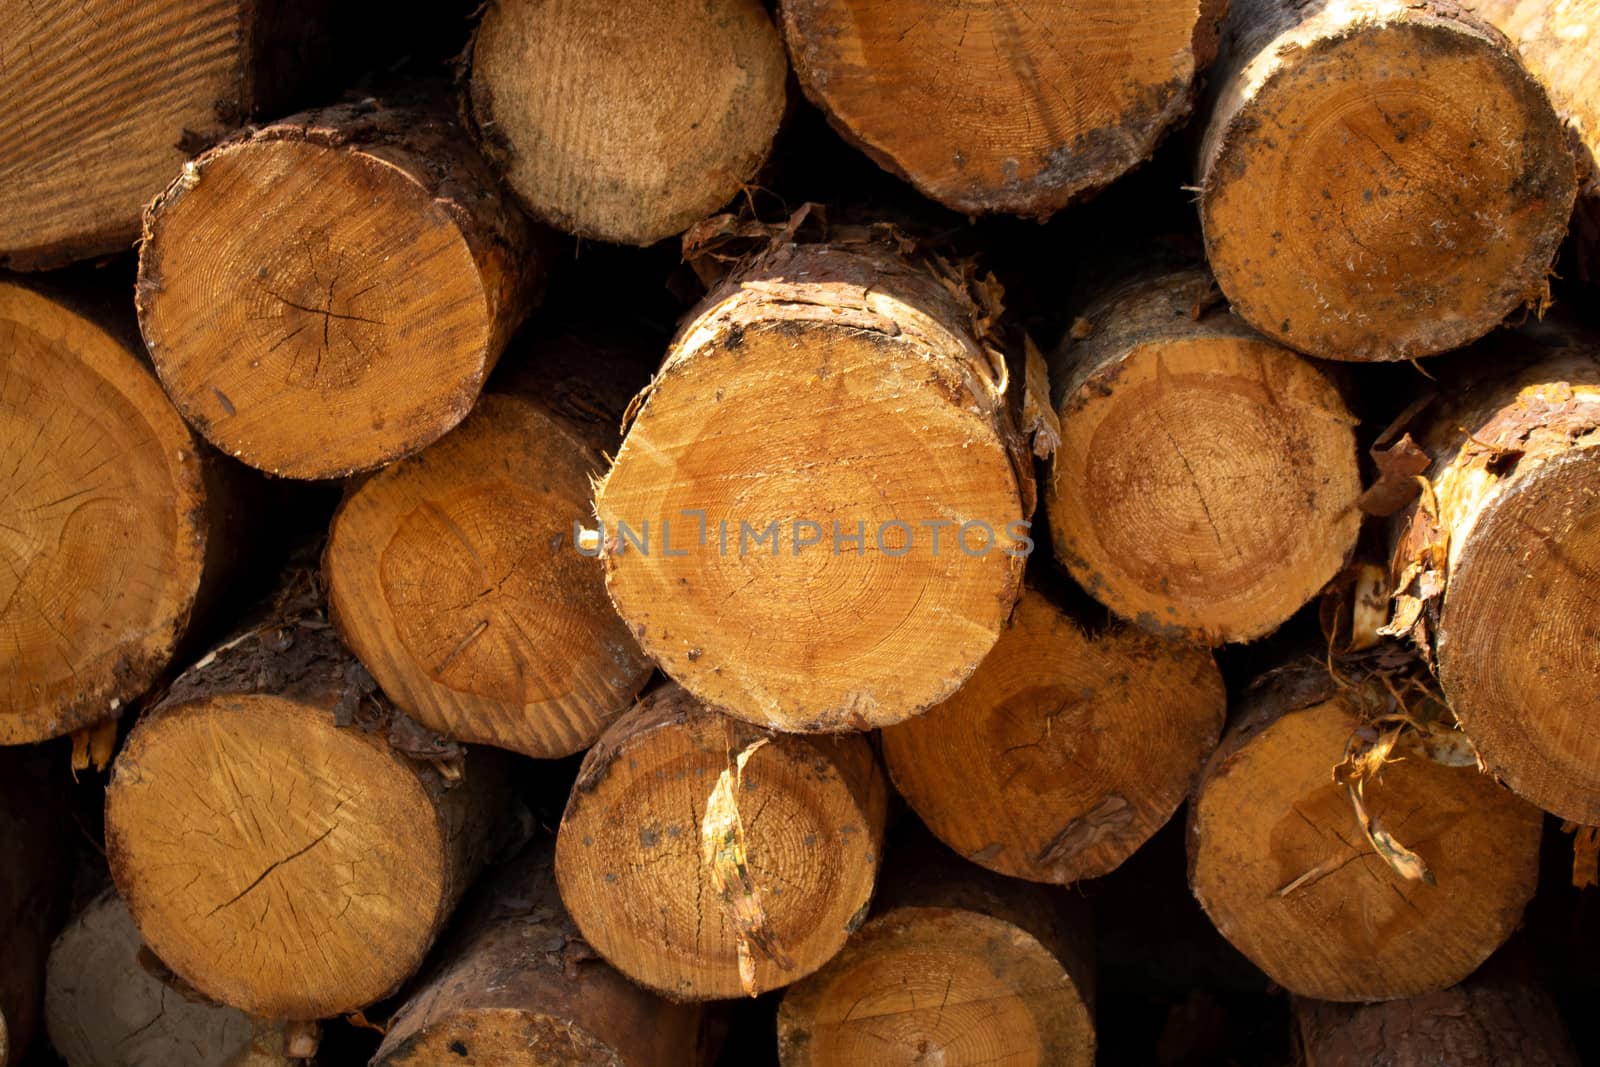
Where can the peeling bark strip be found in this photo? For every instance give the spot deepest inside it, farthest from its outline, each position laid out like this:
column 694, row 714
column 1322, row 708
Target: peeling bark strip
column 675, row 861
column 1063, row 753
column 101, row 101
column 284, row 840
column 842, row 384
column 980, row 968
column 1016, row 107
column 1280, row 861
column 327, row 294
column 1380, row 179
column 1501, row 1015
column 1496, row 568
column 1206, row 481
column 453, row 576
column 626, row 120
column 515, row 983
column 106, row 1009
column 115, row 519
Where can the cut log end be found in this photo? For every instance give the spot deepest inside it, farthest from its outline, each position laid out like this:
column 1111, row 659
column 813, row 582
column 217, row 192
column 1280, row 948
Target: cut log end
column 1518, row 641
column 627, row 122
column 1384, row 183
column 1280, row 862
column 794, row 471
column 278, row 862
column 945, row 985
column 353, row 320
column 1063, row 753
column 453, row 576
column 106, row 527
column 675, row 863
column 1206, row 480
column 990, row 108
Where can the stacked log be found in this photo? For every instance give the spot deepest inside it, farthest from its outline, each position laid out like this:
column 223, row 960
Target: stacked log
column 988, row 107
column 1064, row 751
column 586, row 109
column 454, row 576
column 828, row 459
column 517, row 984
column 117, row 529
column 1379, row 180
column 354, row 319
column 705, row 859
column 1392, row 879
column 957, row 966
column 1206, row 480
column 1497, row 566
column 103, row 100
column 286, row 841
column 108, row 1004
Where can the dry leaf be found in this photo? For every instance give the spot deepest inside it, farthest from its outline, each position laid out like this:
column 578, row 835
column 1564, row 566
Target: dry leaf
column 1038, row 414
column 1398, row 468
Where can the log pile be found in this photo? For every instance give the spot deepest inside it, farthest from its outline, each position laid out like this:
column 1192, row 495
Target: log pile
column 561, row 545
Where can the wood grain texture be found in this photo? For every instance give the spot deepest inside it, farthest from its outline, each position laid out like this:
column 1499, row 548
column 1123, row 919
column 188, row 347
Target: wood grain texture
column 631, row 854
column 1206, row 480
column 1065, row 750
column 1279, row 861
column 1379, row 179
column 823, row 393
column 112, row 519
column 328, row 293
column 101, row 101
column 286, row 842
column 1009, row 106
column 626, row 120
column 1498, row 573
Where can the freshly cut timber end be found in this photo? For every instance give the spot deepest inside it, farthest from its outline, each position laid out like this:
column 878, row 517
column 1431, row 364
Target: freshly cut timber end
column 107, row 521
column 627, row 120
column 957, row 967
column 706, row 860
column 1491, row 1019
column 1064, row 752
column 453, row 576
column 105, row 1008
column 1280, row 861
column 828, row 474
column 1381, row 180
column 1506, row 563
column 99, row 99
column 1206, row 481
column 516, row 986
column 276, row 860
column 1003, row 107
column 327, row 294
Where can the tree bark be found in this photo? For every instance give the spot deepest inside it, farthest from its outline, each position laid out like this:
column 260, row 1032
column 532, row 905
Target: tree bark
column 1206, row 481
column 1281, row 862
column 957, row 967
column 1065, row 750
column 988, row 107
column 101, row 101
column 1379, row 179
column 626, row 122
column 105, row 1007
column 33, row 883
column 1492, row 1018
column 836, row 488
column 517, row 985
column 287, row 842
column 1497, row 568
column 328, row 293
column 706, row 859
column 117, row 527
column 454, row 576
